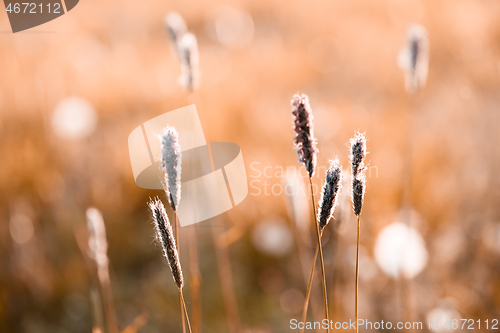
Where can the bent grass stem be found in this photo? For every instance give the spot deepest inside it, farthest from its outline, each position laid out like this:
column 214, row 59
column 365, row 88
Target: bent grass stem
column 309, row 286
column 318, row 234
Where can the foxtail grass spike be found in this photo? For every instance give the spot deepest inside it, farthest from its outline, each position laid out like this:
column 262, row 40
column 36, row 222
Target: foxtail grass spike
column 358, row 153
column 358, row 180
column 304, row 133
column 171, row 159
column 415, row 58
column 176, row 27
column 188, row 51
column 358, row 193
column 166, row 238
column 331, row 188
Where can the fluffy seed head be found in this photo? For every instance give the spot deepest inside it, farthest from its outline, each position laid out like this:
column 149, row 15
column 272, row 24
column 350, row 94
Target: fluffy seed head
column 166, row 239
column 358, row 180
column 188, row 51
column 304, row 134
column 176, row 27
column 414, row 58
column 358, row 193
column 171, row 159
column 358, row 153
column 331, row 188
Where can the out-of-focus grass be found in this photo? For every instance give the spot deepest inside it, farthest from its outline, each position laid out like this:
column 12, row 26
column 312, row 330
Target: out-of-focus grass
column 343, row 54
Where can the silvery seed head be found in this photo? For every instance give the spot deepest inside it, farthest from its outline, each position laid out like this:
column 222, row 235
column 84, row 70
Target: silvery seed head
column 304, row 133
column 358, row 153
column 414, row 58
column 171, row 159
column 329, row 193
column 176, row 27
column 188, row 51
column 165, row 237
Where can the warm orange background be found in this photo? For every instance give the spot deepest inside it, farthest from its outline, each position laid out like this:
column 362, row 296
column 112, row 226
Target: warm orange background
column 343, row 54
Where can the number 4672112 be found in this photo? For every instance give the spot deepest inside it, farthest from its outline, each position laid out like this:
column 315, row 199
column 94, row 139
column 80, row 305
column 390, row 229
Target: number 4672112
column 33, row 8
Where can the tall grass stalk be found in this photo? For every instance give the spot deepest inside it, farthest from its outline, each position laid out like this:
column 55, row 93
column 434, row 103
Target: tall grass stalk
column 357, row 276
column 309, row 286
column 181, row 298
column 187, row 49
column 327, row 203
column 358, row 186
column 305, row 142
column 98, row 250
column 414, row 59
column 168, row 243
column 195, row 281
column 298, row 211
column 185, row 311
column 171, row 158
column 323, row 275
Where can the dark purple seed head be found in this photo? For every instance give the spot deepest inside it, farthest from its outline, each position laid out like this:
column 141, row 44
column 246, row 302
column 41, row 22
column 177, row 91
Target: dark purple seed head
column 329, row 194
column 304, row 134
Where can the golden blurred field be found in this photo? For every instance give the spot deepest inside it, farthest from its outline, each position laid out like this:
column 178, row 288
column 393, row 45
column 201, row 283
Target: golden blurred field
column 254, row 55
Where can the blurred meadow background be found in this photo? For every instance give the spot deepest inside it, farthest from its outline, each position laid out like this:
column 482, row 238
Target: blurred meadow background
column 73, row 89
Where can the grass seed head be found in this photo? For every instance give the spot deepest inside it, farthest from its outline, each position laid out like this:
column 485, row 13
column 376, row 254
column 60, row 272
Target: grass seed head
column 165, row 237
column 414, row 58
column 171, row 159
column 188, row 51
column 358, row 193
column 175, row 26
column 329, row 193
column 304, row 133
column 358, row 153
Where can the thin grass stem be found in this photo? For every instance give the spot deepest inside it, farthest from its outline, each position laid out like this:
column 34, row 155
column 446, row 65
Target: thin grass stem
column 357, row 277
column 181, row 299
column 194, row 271
column 318, row 234
column 183, row 306
column 309, row 286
